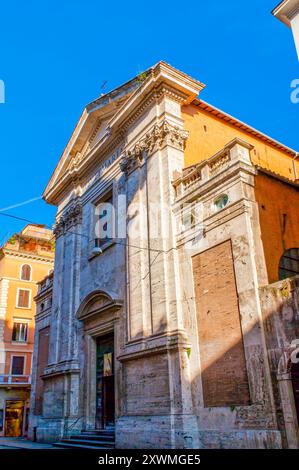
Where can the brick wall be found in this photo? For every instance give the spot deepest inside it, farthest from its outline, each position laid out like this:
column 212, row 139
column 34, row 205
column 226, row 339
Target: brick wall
column 224, row 375
column 43, row 352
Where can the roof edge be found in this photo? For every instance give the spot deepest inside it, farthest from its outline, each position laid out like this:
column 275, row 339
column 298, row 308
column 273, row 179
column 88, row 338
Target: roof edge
column 242, row 125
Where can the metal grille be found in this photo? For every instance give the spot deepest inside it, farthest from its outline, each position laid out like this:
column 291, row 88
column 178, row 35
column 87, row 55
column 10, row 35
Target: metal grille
column 289, row 264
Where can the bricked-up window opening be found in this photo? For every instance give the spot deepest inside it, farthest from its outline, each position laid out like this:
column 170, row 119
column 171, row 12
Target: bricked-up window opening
column 105, row 222
column 289, row 264
column 23, row 298
column 17, row 366
column 222, row 356
column 20, row 332
column 42, row 362
column 26, row 272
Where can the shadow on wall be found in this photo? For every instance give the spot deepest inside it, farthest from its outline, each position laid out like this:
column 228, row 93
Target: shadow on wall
column 228, row 381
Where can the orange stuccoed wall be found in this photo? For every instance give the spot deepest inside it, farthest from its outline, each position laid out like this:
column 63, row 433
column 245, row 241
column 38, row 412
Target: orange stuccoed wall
column 208, row 134
column 279, row 218
column 278, row 201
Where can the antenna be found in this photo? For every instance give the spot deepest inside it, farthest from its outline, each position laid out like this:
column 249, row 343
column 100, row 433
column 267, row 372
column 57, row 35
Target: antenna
column 103, row 87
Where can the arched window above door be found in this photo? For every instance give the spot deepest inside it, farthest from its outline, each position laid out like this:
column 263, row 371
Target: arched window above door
column 289, row 263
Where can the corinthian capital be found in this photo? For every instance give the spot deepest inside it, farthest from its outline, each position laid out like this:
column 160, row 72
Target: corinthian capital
column 70, row 217
column 158, row 137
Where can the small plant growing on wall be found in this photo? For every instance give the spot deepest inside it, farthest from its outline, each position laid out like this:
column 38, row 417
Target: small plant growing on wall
column 141, row 77
column 12, row 240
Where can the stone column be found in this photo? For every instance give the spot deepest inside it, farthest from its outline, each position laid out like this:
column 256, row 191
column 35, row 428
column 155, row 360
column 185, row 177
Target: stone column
column 155, row 317
column 289, row 410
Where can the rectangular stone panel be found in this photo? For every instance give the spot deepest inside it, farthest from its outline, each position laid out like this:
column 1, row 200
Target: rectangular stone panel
column 222, row 357
column 147, row 385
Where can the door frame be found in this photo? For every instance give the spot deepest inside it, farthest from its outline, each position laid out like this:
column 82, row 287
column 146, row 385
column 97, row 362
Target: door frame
column 99, row 312
column 91, row 382
column 98, row 340
column 23, row 415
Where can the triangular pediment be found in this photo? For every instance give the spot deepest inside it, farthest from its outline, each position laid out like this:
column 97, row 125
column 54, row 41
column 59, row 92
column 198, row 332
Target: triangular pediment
column 102, row 119
column 91, row 128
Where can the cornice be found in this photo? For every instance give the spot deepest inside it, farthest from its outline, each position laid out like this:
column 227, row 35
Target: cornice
column 159, row 136
column 286, row 11
column 294, row 12
column 69, row 218
column 24, row 255
column 155, row 96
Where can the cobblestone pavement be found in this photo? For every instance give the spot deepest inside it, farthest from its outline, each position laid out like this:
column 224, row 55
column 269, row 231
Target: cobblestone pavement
column 21, row 443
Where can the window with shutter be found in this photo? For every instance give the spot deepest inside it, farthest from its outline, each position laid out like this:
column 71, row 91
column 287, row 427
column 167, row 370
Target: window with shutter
column 23, row 298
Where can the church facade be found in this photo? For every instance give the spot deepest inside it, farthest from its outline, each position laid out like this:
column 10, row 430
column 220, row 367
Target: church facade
column 174, row 303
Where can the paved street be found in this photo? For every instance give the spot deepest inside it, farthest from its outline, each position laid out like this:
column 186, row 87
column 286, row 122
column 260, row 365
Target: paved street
column 21, row 443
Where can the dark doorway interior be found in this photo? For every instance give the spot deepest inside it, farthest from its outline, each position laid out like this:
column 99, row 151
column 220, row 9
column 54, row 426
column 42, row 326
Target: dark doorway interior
column 14, row 412
column 105, row 405
column 295, row 382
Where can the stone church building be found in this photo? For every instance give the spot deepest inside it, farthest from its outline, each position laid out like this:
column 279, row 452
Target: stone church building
column 172, row 316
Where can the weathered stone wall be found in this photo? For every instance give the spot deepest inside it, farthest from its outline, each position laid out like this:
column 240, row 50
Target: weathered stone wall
column 147, row 386
column 280, row 306
column 142, row 289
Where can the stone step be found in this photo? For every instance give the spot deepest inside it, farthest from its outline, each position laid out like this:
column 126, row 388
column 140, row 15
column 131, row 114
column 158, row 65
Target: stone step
column 69, row 445
column 107, row 432
column 94, row 437
column 88, row 442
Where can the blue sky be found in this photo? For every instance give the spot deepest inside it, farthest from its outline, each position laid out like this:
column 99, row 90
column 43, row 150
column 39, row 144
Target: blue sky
column 55, row 56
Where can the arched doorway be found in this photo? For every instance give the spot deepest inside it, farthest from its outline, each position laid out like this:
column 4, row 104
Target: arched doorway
column 295, row 384
column 105, row 382
column 99, row 314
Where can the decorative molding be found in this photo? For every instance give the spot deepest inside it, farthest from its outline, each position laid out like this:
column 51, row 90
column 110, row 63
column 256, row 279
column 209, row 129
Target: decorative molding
column 160, row 135
column 27, row 256
column 75, row 161
column 95, row 303
column 156, row 95
column 294, row 12
column 219, row 162
column 235, row 151
column 4, row 285
column 71, row 217
column 102, row 168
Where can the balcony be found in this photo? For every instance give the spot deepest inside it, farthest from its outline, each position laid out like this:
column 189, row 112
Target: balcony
column 14, row 380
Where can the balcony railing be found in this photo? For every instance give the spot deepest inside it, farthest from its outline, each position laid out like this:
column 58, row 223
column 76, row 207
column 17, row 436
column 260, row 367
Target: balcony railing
column 15, row 379
column 46, row 283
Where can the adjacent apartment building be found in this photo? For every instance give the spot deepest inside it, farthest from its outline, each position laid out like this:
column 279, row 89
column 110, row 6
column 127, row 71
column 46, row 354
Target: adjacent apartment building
column 175, row 291
column 24, row 260
column 288, row 12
